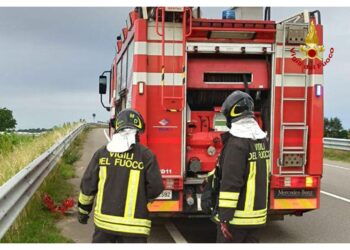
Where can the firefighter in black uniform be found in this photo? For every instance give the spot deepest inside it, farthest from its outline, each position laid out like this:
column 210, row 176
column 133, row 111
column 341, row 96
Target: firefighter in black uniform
column 122, row 177
column 244, row 164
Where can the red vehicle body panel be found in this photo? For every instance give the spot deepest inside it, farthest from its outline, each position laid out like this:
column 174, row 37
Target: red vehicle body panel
column 162, row 72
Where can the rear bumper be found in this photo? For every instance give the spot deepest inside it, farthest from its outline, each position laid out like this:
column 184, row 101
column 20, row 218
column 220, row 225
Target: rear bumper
column 295, row 203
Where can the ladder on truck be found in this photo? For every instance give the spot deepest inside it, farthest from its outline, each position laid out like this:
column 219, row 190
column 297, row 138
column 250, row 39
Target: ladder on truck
column 293, row 159
column 173, row 102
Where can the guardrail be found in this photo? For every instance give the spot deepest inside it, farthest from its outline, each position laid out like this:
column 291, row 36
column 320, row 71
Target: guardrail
column 16, row 192
column 334, row 143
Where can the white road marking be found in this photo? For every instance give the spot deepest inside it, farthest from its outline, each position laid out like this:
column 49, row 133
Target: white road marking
column 174, row 232
column 335, row 166
column 335, row 196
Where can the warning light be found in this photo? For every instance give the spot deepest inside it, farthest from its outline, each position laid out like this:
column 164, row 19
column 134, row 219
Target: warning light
column 318, row 88
column 141, row 88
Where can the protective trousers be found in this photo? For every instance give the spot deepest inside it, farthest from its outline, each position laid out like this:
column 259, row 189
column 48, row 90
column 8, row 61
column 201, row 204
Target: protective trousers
column 104, row 237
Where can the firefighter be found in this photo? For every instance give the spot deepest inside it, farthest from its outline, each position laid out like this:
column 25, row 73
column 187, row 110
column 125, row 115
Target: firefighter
column 122, row 177
column 244, row 164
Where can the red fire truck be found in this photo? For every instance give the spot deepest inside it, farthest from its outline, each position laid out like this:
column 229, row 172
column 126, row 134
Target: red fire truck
column 176, row 68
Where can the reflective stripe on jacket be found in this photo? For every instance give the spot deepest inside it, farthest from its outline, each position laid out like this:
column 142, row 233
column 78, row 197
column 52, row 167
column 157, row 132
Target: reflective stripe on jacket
column 122, row 184
column 244, row 183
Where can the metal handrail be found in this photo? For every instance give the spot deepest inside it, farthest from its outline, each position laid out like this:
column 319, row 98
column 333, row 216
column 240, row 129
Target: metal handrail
column 16, row 192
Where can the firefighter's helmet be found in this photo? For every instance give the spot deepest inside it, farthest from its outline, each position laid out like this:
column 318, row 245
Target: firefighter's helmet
column 129, row 118
column 237, row 106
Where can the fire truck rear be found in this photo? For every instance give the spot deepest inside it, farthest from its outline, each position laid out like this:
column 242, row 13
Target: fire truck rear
column 177, row 68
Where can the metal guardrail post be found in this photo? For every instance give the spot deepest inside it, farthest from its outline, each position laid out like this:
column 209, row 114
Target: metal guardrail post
column 16, row 192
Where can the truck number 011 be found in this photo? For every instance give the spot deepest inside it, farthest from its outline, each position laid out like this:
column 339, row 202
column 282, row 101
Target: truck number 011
column 165, row 171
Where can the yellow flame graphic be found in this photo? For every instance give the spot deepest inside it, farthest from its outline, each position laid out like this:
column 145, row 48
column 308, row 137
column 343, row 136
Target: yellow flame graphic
column 312, row 38
column 311, row 41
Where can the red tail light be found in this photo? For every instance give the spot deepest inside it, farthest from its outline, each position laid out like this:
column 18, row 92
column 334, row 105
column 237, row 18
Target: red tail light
column 169, row 184
column 173, row 183
column 294, row 181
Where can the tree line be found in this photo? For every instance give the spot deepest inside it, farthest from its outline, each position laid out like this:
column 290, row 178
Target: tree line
column 7, row 121
column 332, row 126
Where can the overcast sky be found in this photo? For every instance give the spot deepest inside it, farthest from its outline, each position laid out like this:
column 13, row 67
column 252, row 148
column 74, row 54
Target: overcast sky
column 50, row 60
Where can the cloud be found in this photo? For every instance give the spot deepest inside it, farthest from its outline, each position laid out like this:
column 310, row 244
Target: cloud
column 50, row 60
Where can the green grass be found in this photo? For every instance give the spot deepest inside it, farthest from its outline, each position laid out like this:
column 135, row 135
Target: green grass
column 36, row 224
column 9, row 141
column 337, row 155
column 16, row 152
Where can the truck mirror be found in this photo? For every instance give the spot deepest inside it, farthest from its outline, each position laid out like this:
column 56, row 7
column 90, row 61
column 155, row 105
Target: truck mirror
column 102, row 85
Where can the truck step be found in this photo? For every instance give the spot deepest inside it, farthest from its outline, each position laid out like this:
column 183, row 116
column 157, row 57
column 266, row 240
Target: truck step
column 293, row 99
column 293, row 148
column 294, row 126
column 291, row 172
column 293, row 152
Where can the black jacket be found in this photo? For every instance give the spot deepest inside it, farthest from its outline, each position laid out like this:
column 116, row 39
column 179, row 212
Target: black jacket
column 123, row 184
column 244, row 185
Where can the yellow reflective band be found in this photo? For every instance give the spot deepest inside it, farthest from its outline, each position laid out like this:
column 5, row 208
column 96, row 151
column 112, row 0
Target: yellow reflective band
column 82, row 211
column 268, row 165
column 229, row 195
column 85, row 199
column 211, row 172
column 250, row 194
column 122, row 228
column 122, row 220
column 216, row 218
column 248, row 221
column 268, row 162
column 138, row 123
column 101, row 186
column 228, row 203
column 245, row 221
column 131, row 196
column 233, row 112
column 256, row 213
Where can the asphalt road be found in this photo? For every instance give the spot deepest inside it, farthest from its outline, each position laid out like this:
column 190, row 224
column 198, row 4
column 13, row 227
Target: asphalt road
column 69, row 226
column 329, row 224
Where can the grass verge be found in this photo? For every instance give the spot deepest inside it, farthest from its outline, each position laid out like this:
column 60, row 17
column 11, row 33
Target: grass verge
column 337, row 155
column 9, row 141
column 36, row 224
column 17, row 153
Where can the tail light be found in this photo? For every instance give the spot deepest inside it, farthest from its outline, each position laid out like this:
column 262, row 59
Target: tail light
column 294, row 181
column 141, row 87
column 189, row 197
column 173, row 183
column 169, row 184
column 211, row 151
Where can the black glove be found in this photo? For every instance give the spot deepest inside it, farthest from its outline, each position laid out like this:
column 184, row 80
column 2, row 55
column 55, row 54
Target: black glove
column 83, row 218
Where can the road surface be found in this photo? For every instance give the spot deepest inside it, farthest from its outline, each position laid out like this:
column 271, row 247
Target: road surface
column 329, row 224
